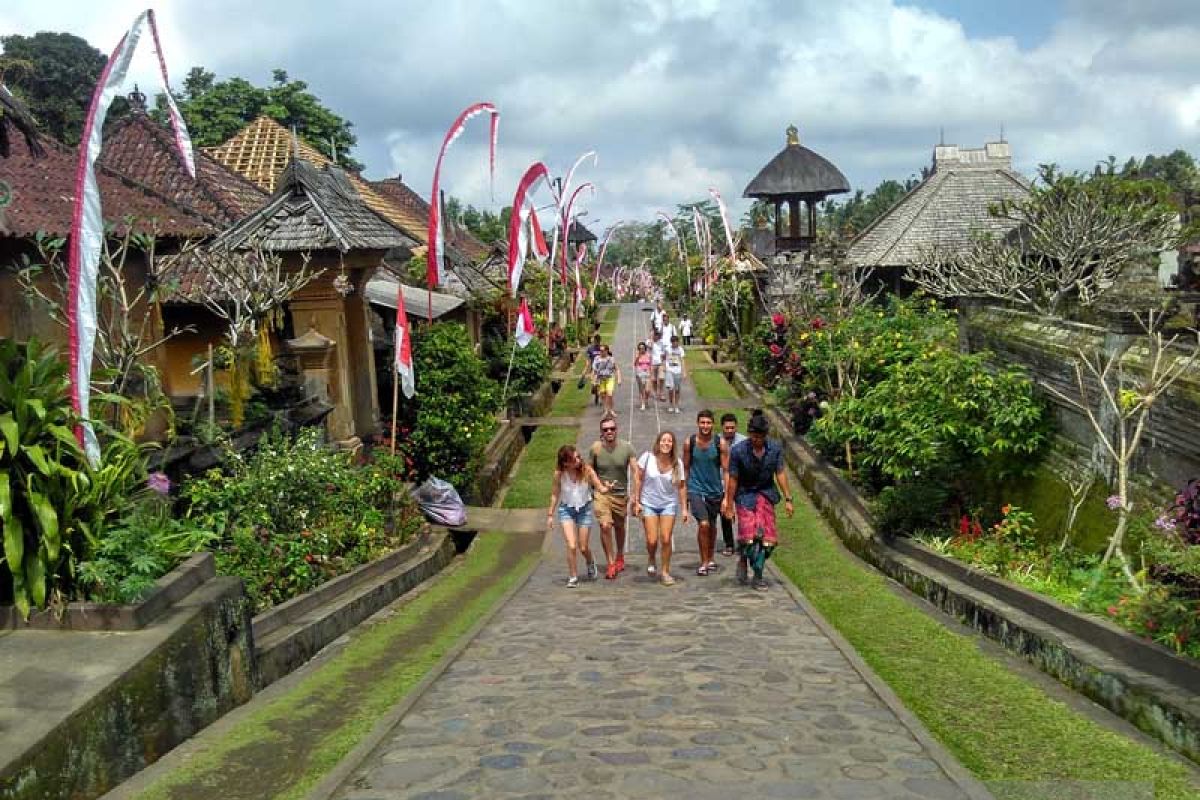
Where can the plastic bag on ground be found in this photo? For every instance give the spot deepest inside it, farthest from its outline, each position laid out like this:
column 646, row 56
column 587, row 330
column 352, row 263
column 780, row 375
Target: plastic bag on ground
column 440, row 503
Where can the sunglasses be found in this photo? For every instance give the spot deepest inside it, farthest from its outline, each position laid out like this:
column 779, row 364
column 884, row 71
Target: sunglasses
column 608, row 430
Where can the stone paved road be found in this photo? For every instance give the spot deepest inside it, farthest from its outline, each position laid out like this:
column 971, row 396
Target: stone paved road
column 630, row 689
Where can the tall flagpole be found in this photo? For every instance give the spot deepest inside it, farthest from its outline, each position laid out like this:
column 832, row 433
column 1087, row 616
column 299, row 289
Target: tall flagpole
column 395, row 401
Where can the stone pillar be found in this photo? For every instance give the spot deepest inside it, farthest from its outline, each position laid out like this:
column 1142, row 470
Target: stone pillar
column 314, row 354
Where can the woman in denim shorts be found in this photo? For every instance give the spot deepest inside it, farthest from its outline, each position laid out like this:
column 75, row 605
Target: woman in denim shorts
column 571, row 502
column 659, row 498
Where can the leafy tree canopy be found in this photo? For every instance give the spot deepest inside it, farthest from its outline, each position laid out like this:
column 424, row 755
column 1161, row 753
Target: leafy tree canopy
column 54, row 74
column 216, row 110
column 486, row 226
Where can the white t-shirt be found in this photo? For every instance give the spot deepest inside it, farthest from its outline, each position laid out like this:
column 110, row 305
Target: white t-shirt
column 669, row 331
column 674, row 359
column 658, row 488
column 685, row 327
column 657, row 351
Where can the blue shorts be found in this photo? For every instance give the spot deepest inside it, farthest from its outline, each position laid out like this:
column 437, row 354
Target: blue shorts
column 669, row 510
column 582, row 517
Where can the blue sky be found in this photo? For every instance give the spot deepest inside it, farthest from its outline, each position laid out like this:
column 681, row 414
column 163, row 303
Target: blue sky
column 680, row 95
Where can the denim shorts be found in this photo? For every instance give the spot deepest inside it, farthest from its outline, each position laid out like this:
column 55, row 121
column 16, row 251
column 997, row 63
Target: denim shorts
column 582, row 517
column 669, row 510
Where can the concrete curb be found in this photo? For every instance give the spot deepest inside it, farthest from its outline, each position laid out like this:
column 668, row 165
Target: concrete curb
column 954, row 770
column 363, row 750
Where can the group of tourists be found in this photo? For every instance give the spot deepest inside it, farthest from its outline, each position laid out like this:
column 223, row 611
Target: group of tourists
column 659, row 364
column 709, row 476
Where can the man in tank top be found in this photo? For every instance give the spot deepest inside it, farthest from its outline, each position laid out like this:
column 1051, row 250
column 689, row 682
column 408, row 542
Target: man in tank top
column 705, row 460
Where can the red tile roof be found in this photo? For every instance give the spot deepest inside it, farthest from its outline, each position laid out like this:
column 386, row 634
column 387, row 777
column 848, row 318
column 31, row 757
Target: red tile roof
column 43, row 197
column 460, row 239
column 144, row 151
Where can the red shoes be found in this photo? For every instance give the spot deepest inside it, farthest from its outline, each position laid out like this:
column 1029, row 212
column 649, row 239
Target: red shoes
column 610, row 573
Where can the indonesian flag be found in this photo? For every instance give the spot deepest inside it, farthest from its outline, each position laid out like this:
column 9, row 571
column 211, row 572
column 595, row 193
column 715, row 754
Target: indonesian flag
column 404, row 361
column 87, row 222
column 520, row 222
column 435, row 270
column 540, row 249
column 525, row 331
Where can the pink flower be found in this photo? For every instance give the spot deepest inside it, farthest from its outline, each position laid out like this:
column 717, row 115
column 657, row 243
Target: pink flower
column 777, row 320
column 159, row 482
column 776, row 350
column 1113, row 502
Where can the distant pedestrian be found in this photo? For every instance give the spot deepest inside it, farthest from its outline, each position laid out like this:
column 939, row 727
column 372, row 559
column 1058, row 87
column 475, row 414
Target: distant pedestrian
column 667, row 328
column 685, row 330
column 571, row 500
column 590, row 354
column 705, row 460
column 658, row 349
column 756, row 478
column 613, row 460
column 607, row 375
column 730, row 436
column 659, row 497
column 641, row 371
column 674, row 373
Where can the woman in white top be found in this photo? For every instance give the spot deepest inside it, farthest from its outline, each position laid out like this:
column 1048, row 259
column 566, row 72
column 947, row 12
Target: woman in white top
column 659, row 496
column 571, row 500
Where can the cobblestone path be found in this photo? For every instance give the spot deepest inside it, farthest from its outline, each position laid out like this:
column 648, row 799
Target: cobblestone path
column 631, row 689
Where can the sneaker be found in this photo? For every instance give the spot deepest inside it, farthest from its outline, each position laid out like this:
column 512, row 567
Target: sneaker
column 713, row 566
column 702, row 570
column 591, row 571
column 643, row 406
column 610, row 572
column 572, row 582
column 743, row 572
column 651, row 570
column 620, row 563
column 760, row 583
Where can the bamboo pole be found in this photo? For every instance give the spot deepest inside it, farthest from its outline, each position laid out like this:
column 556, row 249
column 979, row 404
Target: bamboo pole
column 395, row 401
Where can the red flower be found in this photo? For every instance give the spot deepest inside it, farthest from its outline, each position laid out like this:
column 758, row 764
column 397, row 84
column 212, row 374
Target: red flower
column 817, row 323
column 778, row 321
column 977, row 529
column 776, row 350
column 964, row 526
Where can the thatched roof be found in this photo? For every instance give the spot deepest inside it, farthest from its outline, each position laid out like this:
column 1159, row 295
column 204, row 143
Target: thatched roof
column 797, row 172
column 315, row 208
column 946, row 210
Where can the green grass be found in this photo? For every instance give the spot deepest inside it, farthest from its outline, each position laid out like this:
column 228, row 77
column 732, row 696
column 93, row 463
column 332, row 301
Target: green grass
column 712, row 385
column 460, row 598
column 608, row 332
column 529, row 486
column 571, row 400
column 612, row 314
column 697, row 360
column 997, row 724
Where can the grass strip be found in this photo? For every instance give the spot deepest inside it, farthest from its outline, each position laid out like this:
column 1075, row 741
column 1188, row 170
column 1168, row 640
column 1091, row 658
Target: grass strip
column 529, row 486
column 373, row 673
column 958, row 692
column 572, row 400
column 697, row 360
column 608, row 331
column 712, row 385
column 612, row 314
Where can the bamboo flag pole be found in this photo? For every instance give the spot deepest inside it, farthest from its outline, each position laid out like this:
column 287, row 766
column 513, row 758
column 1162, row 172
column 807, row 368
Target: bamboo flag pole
column 395, row 401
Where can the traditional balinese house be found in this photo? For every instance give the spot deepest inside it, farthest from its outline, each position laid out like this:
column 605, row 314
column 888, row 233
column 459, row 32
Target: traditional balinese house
column 318, row 213
column 797, row 178
column 944, row 212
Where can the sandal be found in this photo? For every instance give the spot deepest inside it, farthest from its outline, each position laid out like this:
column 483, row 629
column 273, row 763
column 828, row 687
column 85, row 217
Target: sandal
column 760, row 584
column 728, row 552
column 702, row 570
column 651, row 570
column 667, row 580
column 713, row 567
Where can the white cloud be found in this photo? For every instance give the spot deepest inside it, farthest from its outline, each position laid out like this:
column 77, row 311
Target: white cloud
column 677, row 96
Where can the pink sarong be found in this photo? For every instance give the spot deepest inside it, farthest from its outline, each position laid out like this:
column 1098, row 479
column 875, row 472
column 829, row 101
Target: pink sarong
column 762, row 516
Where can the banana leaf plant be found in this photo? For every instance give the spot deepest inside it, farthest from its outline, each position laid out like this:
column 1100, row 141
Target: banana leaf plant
column 52, row 503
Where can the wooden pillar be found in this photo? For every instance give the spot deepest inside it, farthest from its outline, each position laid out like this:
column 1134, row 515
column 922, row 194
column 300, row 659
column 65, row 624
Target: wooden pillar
column 778, row 219
column 794, row 218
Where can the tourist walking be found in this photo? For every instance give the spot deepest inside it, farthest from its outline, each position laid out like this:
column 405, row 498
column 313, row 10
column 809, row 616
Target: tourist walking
column 673, row 373
column 571, row 501
column 705, row 460
column 685, row 330
column 607, row 376
column 657, row 350
column 642, row 365
column 613, row 459
column 593, row 350
column 756, row 478
column 730, row 435
column 667, row 329
column 659, row 497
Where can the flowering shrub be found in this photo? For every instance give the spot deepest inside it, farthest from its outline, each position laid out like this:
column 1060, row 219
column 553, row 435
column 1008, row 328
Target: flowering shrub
column 1183, row 517
column 293, row 514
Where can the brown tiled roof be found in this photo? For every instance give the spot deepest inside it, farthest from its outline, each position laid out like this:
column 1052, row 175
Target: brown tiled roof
column 407, row 198
column 144, row 151
column 43, row 197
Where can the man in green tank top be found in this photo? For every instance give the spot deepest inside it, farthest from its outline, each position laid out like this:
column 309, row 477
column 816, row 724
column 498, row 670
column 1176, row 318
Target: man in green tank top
column 705, row 459
column 612, row 459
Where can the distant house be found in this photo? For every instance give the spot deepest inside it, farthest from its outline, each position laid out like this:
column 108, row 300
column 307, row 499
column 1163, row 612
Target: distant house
column 944, row 211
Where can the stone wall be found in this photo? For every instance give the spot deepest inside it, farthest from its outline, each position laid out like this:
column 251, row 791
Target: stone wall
column 1170, row 453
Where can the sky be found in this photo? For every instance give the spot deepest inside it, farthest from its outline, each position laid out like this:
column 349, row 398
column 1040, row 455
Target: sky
column 678, row 96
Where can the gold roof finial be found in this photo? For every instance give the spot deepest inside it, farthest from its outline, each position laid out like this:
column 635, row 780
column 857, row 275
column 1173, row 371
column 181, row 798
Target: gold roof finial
column 793, row 135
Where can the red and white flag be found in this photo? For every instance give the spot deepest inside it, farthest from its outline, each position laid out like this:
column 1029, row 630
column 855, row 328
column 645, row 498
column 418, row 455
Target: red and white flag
column 436, row 273
column 525, row 331
column 87, row 223
column 518, row 229
column 541, row 251
column 404, row 359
